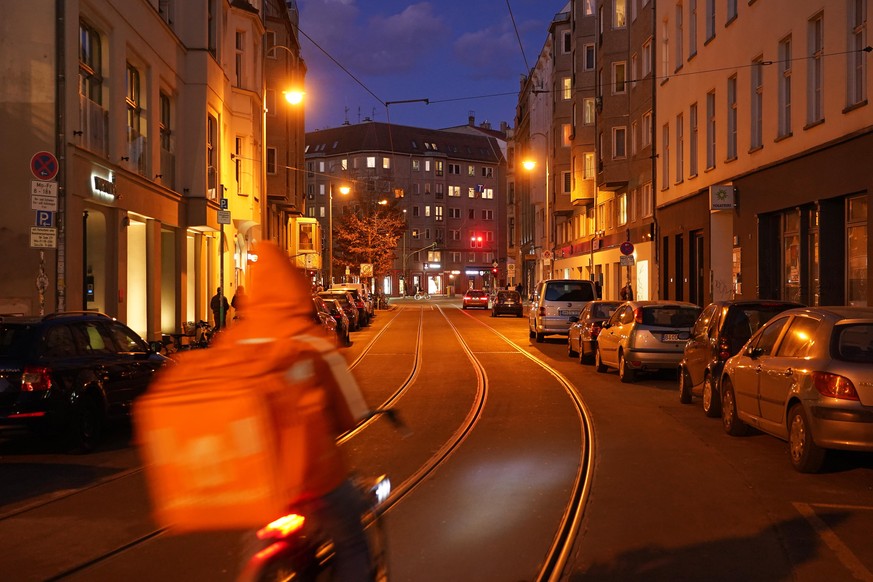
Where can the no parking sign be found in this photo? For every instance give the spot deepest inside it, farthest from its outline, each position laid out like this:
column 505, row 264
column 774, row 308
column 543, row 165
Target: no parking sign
column 44, row 166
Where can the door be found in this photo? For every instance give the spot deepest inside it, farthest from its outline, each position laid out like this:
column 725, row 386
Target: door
column 698, row 348
column 747, row 373
column 609, row 339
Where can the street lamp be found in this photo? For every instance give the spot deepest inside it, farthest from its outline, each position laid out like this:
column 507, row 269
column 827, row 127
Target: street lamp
column 343, row 190
column 529, row 165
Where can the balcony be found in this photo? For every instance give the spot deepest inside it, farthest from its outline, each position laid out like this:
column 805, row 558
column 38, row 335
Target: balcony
column 168, row 169
column 93, row 134
column 137, row 148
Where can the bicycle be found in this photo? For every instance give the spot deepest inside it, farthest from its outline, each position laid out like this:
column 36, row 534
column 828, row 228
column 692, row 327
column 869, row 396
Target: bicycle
column 422, row 295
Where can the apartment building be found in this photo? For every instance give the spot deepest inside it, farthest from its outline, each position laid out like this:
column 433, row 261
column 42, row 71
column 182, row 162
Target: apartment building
column 765, row 134
column 136, row 122
column 449, row 184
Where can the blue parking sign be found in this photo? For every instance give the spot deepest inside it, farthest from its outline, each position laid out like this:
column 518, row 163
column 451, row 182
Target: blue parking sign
column 45, row 218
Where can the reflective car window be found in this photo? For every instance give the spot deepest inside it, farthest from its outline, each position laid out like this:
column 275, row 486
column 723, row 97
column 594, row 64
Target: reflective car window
column 799, row 337
column 674, row 316
column 57, row 342
column 127, row 340
column 569, row 291
column 15, row 340
column 854, row 343
column 700, row 326
column 769, row 335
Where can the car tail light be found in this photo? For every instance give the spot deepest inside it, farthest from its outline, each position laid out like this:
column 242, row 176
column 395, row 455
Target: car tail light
column 723, row 349
column 36, row 379
column 834, row 386
column 638, row 315
column 282, row 527
column 595, row 330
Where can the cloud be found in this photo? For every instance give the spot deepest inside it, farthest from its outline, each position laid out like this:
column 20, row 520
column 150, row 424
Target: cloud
column 493, row 52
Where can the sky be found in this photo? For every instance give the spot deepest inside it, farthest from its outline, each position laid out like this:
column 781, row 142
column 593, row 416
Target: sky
column 463, row 56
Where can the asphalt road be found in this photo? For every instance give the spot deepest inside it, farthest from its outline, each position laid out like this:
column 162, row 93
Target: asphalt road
column 669, row 495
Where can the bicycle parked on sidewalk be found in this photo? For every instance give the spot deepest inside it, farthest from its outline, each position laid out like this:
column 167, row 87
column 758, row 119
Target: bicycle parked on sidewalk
column 421, row 295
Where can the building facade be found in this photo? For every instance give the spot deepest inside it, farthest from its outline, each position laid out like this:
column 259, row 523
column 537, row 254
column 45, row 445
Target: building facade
column 137, row 123
column 448, row 183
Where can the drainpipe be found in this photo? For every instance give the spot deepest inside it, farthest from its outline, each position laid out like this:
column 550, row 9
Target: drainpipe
column 60, row 140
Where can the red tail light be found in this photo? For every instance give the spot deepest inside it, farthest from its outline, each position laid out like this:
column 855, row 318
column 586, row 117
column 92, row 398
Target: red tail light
column 595, row 330
column 724, row 349
column 36, row 379
column 638, row 315
column 282, row 527
column 834, row 386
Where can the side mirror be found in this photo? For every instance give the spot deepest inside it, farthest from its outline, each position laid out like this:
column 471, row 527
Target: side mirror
column 755, row 353
column 156, row 347
column 605, row 325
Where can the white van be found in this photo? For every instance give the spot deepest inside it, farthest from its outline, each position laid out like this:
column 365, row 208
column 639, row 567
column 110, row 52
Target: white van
column 554, row 302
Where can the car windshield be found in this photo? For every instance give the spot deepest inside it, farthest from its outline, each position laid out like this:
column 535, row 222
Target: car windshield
column 507, row 296
column 476, row 293
column 604, row 310
column 670, row 315
column 569, row 291
column 854, row 343
column 750, row 318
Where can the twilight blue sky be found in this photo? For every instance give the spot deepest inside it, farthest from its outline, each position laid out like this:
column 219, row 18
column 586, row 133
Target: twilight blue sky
column 461, row 55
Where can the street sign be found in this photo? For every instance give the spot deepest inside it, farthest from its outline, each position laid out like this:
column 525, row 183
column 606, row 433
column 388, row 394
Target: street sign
column 510, row 267
column 626, row 260
column 45, row 218
column 366, row 269
column 44, row 166
column 626, row 248
column 493, row 263
column 224, row 217
column 43, row 238
column 223, row 203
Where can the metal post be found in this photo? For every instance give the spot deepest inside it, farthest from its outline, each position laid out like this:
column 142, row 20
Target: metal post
column 330, row 236
column 221, row 314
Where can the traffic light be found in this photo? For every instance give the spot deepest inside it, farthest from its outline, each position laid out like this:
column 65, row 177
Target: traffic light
column 476, row 241
column 494, row 271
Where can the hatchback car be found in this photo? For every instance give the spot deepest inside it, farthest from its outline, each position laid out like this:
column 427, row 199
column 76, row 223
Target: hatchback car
column 323, row 319
column 806, row 377
column 475, row 298
column 347, row 302
column 554, row 302
column 582, row 335
column 645, row 335
column 342, row 321
column 507, row 302
column 719, row 333
column 69, row 373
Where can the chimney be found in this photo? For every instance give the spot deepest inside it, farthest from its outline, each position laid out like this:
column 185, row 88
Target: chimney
column 471, row 119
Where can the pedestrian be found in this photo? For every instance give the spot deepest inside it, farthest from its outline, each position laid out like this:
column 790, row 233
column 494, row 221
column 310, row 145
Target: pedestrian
column 219, row 306
column 520, row 289
column 627, row 292
column 238, row 302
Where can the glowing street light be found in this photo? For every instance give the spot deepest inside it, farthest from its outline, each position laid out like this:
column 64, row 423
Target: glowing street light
column 343, row 190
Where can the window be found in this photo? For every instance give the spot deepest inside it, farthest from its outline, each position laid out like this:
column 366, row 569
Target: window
column 619, row 142
column 589, row 171
column 619, row 13
column 710, row 130
column 680, row 148
column 680, row 57
column 487, row 215
column 454, row 213
column 237, row 161
column 731, row 11
column 487, row 193
column 454, row 168
column 487, row 172
column 271, row 160
column 619, row 76
column 164, row 124
column 566, row 88
column 416, row 165
column 136, row 140
column 471, row 170
column 692, row 28
column 757, row 103
column 798, row 338
column 665, row 157
column 647, row 58
column 415, row 211
column 454, row 191
column 634, row 136
column 646, row 203
column 386, row 163
column 588, row 111
column 665, row 50
column 815, row 73
column 784, row 97
column 856, row 246
column 438, row 213
column 634, row 70
column 371, row 161
column 588, row 64
column 239, row 57
column 692, row 140
column 646, row 137
column 90, row 63
column 212, row 26
column 588, row 7
column 732, row 118
column 427, row 165
column 710, row 20
column 791, row 255
column 856, row 67
column 438, row 168
column 566, row 42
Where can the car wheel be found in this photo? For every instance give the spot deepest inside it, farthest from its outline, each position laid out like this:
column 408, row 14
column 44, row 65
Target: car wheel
column 711, row 401
column 684, row 386
column 598, row 362
column 625, row 374
column 570, row 351
column 530, row 332
column 540, row 337
column 806, row 456
column 86, row 426
column 729, row 418
column 463, row 307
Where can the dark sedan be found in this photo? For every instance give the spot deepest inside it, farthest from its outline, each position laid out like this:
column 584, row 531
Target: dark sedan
column 507, row 302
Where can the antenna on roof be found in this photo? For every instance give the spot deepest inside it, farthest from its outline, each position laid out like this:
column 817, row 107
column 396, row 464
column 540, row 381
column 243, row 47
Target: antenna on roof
column 346, row 122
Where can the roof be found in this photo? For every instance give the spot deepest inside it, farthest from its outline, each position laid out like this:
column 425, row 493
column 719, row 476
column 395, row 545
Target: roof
column 374, row 136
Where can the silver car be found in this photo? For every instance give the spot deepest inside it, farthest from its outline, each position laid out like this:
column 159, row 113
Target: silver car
column 554, row 302
column 645, row 335
column 806, row 377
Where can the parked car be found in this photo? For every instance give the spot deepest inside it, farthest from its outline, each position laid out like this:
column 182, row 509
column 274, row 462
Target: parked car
column 645, row 335
column 364, row 306
column 342, row 321
column 69, row 373
column 582, row 335
column 361, row 295
column 805, row 377
column 507, row 302
column 348, row 304
column 475, row 298
column 323, row 319
column 554, row 302
column 719, row 333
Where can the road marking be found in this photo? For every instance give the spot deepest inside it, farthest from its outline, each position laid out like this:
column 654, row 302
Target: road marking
column 832, row 540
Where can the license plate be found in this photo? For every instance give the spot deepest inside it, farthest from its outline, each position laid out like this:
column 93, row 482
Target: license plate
column 568, row 312
column 670, row 337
